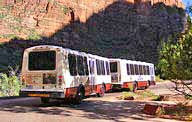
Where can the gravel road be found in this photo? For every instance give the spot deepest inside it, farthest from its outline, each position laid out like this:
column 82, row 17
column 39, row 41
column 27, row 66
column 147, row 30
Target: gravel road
column 93, row 109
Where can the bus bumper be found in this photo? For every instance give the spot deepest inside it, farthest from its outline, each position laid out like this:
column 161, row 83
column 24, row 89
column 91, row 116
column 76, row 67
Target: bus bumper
column 49, row 94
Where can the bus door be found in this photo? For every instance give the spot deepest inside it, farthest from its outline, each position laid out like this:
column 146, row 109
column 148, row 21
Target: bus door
column 151, row 73
column 115, row 74
column 92, row 74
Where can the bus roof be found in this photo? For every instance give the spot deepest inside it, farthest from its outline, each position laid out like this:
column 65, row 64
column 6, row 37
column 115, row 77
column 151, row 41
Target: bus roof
column 130, row 61
column 41, row 47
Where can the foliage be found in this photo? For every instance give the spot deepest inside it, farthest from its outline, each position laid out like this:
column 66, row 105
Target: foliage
column 189, row 9
column 127, row 95
column 33, row 35
column 9, row 85
column 180, row 111
column 140, row 95
column 175, row 59
column 130, row 87
column 147, row 94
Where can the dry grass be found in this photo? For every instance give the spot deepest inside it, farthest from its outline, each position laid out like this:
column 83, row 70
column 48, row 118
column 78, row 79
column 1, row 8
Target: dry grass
column 139, row 95
column 179, row 112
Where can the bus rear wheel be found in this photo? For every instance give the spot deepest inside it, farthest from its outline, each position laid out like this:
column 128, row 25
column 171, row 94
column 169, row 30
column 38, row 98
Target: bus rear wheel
column 79, row 97
column 45, row 100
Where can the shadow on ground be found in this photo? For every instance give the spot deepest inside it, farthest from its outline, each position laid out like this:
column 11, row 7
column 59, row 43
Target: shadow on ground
column 91, row 109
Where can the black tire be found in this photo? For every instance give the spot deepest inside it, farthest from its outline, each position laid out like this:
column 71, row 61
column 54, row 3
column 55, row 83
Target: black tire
column 148, row 84
column 79, row 96
column 45, row 100
column 102, row 91
column 135, row 86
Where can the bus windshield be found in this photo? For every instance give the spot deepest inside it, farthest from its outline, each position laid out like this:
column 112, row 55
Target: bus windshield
column 43, row 60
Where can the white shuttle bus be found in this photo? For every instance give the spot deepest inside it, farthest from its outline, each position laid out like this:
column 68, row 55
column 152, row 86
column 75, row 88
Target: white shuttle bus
column 56, row 72
column 131, row 74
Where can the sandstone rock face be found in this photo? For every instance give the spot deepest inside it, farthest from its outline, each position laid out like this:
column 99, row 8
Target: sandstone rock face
column 131, row 29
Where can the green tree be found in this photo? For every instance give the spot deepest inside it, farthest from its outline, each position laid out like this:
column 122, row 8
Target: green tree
column 10, row 84
column 175, row 61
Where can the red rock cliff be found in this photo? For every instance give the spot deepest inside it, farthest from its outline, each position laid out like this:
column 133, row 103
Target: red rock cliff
column 25, row 18
column 131, row 29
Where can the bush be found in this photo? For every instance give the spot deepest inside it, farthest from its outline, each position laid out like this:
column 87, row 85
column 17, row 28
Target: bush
column 9, row 85
column 128, row 95
column 140, row 95
column 175, row 60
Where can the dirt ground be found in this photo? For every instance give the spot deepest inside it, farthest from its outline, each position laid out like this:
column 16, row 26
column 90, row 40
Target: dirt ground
column 92, row 109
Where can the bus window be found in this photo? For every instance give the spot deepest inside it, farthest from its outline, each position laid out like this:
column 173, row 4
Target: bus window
column 128, row 69
column 80, row 66
column 107, row 67
column 141, row 70
column 72, row 64
column 136, row 69
column 86, row 66
column 91, row 67
column 132, row 69
column 144, row 70
column 151, row 71
column 113, row 67
column 44, row 60
column 103, row 67
column 147, row 70
column 98, row 67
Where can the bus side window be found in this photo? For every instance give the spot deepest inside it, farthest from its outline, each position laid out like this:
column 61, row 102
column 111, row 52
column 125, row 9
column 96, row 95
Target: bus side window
column 103, row 67
column 136, row 69
column 144, row 70
column 147, row 70
column 151, row 71
column 132, row 69
column 91, row 67
column 128, row 69
column 72, row 64
column 107, row 67
column 141, row 70
column 98, row 67
column 80, row 66
column 86, row 66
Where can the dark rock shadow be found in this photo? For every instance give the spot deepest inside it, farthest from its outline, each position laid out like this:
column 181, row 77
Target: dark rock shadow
column 121, row 30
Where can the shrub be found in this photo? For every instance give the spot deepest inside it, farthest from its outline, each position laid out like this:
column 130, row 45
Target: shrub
column 140, row 95
column 33, row 35
column 128, row 96
column 175, row 60
column 9, row 85
column 130, row 87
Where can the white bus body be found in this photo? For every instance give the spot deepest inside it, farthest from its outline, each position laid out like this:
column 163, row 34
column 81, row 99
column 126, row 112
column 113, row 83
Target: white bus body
column 128, row 73
column 56, row 72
